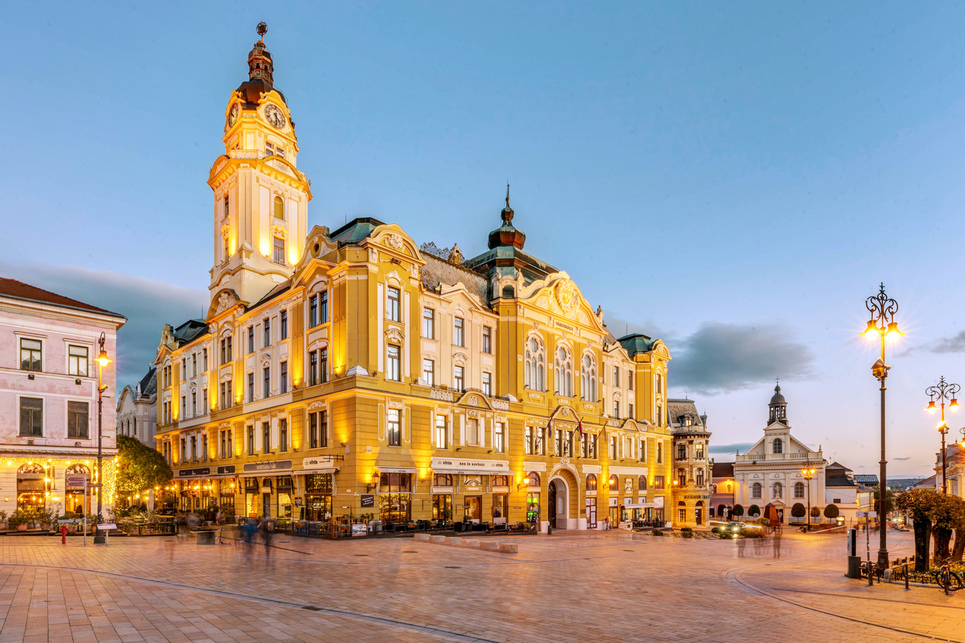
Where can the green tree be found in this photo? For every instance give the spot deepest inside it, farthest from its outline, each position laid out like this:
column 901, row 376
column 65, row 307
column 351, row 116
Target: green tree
column 738, row 511
column 754, row 511
column 139, row 467
column 799, row 510
column 889, row 504
column 831, row 511
column 947, row 514
column 918, row 504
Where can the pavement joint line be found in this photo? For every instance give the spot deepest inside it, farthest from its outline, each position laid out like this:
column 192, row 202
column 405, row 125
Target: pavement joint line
column 736, row 576
column 868, row 598
column 314, row 608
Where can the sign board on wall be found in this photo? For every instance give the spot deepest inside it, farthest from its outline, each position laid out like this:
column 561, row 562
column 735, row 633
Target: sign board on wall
column 273, row 465
column 367, row 500
column 359, row 529
column 463, row 465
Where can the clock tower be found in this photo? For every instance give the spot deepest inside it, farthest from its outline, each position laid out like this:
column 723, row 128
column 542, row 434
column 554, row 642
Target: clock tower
column 260, row 196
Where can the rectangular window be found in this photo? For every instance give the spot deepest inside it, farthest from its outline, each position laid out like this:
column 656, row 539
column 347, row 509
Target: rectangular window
column 442, row 432
column 226, row 355
column 251, row 440
column 184, row 369
column 613, row 447
column 630, row 380
column 194, row 403
column 428, row 323
column 251, row 387
column 393, row 429
column 472, row 431
column 392, row 370
column 266, row 382
column 428, row 372
column 558, row 435
column 194, row 365
column 699, row 451
column 279, row 254
column 312, row 430
column 616, row 376
column 616, row 408
column 487, row 384
column 204, row 446
column 283, row 377
column 459, row 378
column 226, row 203
column 31, row 417
column 183, row 411
column 77, row 361
column 659, row 452
column 313, row 368
column 323, row 306
column 224, row 445
column 251, row 340
column 204, row 358
column 30, row 354
column 313, row 311
column 323, row 428
column 539, row 446
column 229, row 400
column 568, row 444
column 499, row 437
column 266, row 324
column 323, row 365
column 77, row 420
column 487, row 340
column 204, row 400
column 528, row 441
column 284, row 324
column 265, row 437
column 630, row 411
column 283, row 434
column 643, row 450
column 392, row 310
column 458, row 332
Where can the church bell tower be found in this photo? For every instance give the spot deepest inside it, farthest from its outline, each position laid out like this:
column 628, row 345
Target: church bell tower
column 260, row 196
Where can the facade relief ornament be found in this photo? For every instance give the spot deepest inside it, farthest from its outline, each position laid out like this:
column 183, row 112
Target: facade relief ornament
column 394, row 241
column 225, row 301
column 442, row 396
column 567, row 296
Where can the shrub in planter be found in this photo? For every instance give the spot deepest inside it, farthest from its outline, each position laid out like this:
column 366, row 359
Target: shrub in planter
column 754, row 511
column 715, row 530
column 687, row 532
column 656, row 532
column 738, row 511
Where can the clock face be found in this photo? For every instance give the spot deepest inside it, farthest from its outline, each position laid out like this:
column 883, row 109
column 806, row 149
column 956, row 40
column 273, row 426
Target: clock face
column 275, row 116
column 233, row 115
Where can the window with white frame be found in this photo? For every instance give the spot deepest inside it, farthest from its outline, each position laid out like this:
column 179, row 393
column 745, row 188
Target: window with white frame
column 472, row 431
column 429, row 372
column 535, row 364
column 499, row 437
column 393, row 308
column 798, row 489
column 459, row 378
column 442, row 432
column 564, row 372
column 393, row 428
column 487, row 340
column 588, row 378
column 428, row 323
column 757, row 490
column 459, row 331
column 77, row 360
column 393, row 365
column 487, row 384
column 31, row 351
column 77, row 420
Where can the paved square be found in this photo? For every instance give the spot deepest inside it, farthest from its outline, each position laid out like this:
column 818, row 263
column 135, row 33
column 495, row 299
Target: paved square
column 601, row 587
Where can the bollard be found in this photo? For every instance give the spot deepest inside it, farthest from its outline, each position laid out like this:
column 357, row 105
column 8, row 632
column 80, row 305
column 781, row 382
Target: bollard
column 871, row 575
column 63, row 534
column 905, row 566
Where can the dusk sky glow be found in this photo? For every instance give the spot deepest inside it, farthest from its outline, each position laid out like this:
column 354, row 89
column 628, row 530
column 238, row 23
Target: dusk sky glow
column 735, row 179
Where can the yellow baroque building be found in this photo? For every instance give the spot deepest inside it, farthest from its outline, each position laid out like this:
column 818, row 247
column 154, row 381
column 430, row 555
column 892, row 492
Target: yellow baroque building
column 352, row 372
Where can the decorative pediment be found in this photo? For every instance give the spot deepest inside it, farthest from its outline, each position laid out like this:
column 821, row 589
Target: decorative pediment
column 224, row 301
column 559, row 295
column 473, row 398
column 396, row 241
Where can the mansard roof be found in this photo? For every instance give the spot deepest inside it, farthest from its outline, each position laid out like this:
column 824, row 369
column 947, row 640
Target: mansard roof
column 353, row 232
column 190, row 331
column 438, row 271
column 148, row 384
column 637, row 343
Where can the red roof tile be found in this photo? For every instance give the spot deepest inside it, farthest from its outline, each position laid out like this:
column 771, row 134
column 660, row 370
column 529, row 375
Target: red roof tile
column 20, row 290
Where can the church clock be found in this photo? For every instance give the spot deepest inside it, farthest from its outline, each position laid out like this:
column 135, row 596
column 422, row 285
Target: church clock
column 275, row 116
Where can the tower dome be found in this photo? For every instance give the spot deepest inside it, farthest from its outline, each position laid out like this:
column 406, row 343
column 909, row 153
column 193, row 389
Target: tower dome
column 506, row 234
column 777, row 407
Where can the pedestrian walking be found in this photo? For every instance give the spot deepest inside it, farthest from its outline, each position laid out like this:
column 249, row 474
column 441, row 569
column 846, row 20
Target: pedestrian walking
column 266, row 528
column 759, row 543
column 777, row 542
column 741, row 543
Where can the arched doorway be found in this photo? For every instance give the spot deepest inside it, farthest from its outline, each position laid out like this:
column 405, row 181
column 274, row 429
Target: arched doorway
column 699, row 512
column 74, row 495
column 557, row 505
column 31, row 487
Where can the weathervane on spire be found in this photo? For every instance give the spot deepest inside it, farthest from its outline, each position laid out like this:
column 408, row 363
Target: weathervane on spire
column 262, row 29
column 507, row 194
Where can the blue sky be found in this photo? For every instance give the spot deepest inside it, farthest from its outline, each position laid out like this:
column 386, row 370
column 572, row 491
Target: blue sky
column 735, row 178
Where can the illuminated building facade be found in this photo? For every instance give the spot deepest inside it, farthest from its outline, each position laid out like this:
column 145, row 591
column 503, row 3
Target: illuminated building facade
column 692, row 482
column 48, row 398
column 353, row 371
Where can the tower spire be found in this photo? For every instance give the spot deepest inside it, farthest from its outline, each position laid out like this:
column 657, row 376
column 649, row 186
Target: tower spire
column 260, row 66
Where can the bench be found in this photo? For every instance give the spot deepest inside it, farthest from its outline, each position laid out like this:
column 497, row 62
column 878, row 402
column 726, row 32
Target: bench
column 206, row 536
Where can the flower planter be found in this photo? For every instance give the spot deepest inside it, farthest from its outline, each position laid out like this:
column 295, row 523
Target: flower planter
column 21, row 527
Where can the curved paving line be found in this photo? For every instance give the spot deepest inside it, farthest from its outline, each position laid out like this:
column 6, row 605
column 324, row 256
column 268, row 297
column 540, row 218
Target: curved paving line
column 381, row 620
column 735, row 576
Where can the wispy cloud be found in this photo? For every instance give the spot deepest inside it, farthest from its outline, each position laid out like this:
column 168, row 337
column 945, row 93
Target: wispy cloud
column 901, row 459
column 147, row 304
column 730, row 448
column 943, row 345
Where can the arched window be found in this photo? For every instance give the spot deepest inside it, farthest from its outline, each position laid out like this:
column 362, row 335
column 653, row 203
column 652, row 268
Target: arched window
column 535, row 364
column 777, row 491
column 642, row 483
column 564, row 372
column 614, row 482
column 31, row 487
column 591, row 482
column 777, row 446
column 699, row 477
column 533, row 479
column 588, row 378
column 278, row 208
column 442, row 480
column 509, row 291
column 798, row 489
column 756, row 490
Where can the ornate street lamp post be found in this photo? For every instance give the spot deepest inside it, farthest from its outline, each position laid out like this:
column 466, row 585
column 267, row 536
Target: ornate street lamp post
column 808, row 473
column 882, row 326
column 102, row 361
column 943, row 391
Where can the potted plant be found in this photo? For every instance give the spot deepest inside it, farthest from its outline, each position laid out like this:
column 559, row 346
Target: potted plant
column 18, row 520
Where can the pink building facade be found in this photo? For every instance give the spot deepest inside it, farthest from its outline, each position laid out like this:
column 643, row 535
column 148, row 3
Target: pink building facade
column 48, row 398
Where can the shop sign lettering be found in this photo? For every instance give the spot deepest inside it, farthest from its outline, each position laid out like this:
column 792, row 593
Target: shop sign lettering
column 274, row 465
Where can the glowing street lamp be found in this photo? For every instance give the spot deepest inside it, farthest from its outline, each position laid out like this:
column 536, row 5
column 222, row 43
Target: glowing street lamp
column 808, row 473
column 102, row 361
column 882, row 326
column 943, row 391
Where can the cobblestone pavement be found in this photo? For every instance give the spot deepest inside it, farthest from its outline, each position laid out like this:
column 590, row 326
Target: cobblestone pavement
column 601, row 587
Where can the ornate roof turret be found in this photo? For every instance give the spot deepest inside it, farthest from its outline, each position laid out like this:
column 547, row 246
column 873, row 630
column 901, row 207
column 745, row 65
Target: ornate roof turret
column 506, row 234
column 777, row 407
column 259, row 59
